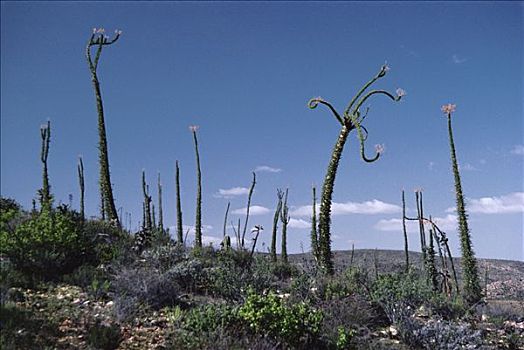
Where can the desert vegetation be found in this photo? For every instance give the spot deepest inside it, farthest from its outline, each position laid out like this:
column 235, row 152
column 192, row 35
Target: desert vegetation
column 69, row 281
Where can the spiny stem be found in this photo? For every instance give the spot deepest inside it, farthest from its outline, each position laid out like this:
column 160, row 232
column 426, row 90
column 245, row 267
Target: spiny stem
column 179, row 228
column 82, row 186
column 273, row 251
column 108, row 208
column 253, row 183
column 284, row 217
column 471, row 285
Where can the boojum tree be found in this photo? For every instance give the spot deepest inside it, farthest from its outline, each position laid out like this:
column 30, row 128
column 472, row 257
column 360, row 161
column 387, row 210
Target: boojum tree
column 314, row 234
column 351, row 119
column 99, row 40
column 472, row 290
column 198, row 215
column 46, row 199
column 284, row 218
column 160, row 209
column 179, row 228
column 273, row 250
column 81, row 182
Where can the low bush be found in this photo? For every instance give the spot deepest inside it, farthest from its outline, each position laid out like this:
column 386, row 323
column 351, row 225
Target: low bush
column 45, row 246
column 268, row 315
column 133, row 288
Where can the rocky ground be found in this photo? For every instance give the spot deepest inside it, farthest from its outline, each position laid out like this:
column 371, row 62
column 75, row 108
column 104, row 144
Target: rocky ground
column 64, row 316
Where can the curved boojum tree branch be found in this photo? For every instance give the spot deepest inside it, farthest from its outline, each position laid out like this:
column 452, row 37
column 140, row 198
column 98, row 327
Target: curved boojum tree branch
column 107, row 204
column 351, row 120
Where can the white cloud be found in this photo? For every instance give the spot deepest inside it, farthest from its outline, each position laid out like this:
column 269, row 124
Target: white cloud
column 447, row 223
column 267, row 169
column 395, row 225
column 232, row 192
column 205, row 229
column 509, row 203
column 299, row 223
column 431, row 165
column 468, row 167
column 369, row 207
column 253, row 210
column 518, row 150
column 457, row 59
column 206, row 239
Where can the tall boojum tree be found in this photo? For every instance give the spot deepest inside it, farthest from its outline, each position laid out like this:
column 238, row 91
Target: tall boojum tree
column 179, row 228
column 46, row 200
column 472, row 290
column 352, row 118
column 284, row 217
column 276, row 217
column 81, row 182
column 198, row 214
column 99, row 40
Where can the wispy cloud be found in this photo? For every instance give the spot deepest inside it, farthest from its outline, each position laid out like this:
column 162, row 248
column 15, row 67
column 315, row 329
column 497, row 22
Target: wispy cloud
column 232, row 192
column 267, row 169
column 431, row 165
column 253, row 210
column 468, row 167
column 395, row 225
column 369, row 207
column 457, row 59
column 447, row 223
column 205, row 229
column 506, row 204
column 518, row 150
column 299, row 223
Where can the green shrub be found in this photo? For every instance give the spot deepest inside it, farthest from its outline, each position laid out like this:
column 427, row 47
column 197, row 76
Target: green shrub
column 409, row 288
column 209, row 317
column 45, row 246
column 344, row 337
column 269, row 315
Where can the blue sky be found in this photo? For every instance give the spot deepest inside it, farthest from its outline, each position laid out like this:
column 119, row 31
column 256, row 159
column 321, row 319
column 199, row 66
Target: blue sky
column 244, row 73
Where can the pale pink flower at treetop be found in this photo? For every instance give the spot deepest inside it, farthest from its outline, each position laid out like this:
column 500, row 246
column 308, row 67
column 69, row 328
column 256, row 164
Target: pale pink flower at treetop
column 193, row 128
column 449, row 108
column 401, row 92
column 380, row 149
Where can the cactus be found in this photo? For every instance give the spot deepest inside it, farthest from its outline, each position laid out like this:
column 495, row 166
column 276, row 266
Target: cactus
column 108, row 208
column 284, row 217
column 406, row 248
column 472, row 290
column 351, row 119
column 81, row 182
column 314, row 235
column 179, row 228
column 253, row 183
column 198, row 215
column 160, row 210
column 273, row 250
column 46, row 200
